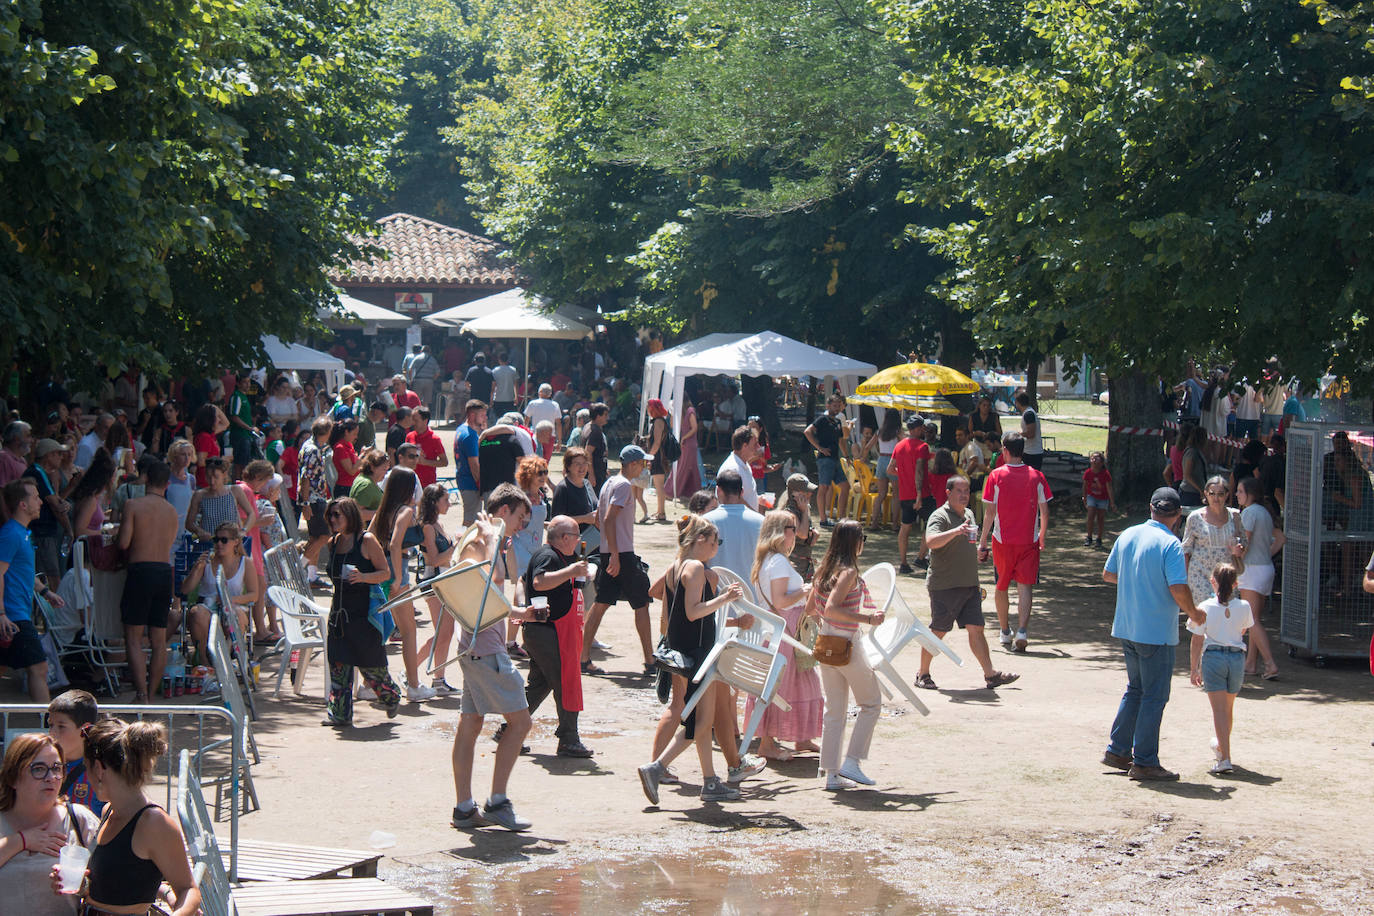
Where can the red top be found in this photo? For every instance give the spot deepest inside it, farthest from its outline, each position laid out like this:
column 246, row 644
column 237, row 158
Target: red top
column 344, row 451
column 1097, row 484
column 290, row 467
column 430, row 447
column 204, row 442
column 905, row 455
column 759, row 466
column 935, row 484
column 1018, row 490
column 407, row 398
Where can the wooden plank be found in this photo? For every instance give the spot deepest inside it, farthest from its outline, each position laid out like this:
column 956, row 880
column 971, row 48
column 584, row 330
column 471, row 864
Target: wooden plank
column 328, row 897
column 260, row 860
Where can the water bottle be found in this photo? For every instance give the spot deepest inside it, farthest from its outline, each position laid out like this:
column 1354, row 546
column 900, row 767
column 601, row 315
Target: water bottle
column 176, row 667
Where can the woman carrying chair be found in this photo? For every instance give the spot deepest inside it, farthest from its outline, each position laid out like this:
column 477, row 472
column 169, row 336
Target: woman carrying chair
column 839, row 596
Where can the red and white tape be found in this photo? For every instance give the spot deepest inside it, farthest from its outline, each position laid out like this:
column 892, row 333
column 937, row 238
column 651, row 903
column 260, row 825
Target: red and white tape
column 1170, row 427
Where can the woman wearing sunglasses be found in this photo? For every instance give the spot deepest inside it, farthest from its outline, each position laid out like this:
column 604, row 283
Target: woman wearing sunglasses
column 241, row 580
column 35, row 823
column 1212, row 535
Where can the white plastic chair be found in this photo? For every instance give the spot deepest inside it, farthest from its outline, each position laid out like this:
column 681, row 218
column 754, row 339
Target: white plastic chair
column 900, row 626
column 304, row 625
column 728, row 577
column 233, row 699
column 748, row 660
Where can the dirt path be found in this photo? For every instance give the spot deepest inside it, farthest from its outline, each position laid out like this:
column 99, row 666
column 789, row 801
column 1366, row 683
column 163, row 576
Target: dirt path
column 996, row 802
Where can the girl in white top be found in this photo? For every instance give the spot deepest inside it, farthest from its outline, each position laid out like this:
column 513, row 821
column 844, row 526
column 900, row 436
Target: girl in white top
column 1262, row 543
column 1218, row 656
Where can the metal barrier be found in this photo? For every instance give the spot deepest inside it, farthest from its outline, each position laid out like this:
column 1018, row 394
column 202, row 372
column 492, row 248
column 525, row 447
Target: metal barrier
column 37, row 713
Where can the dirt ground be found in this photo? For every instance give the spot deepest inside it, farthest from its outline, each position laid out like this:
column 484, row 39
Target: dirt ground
column 995, row 802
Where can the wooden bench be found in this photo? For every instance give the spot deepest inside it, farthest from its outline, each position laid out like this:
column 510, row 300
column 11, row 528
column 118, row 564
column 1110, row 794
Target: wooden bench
column 328, row 897
column 260, row 860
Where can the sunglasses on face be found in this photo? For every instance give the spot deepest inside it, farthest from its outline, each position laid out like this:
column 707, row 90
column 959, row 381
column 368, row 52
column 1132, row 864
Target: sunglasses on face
column 789, row 527
column 221, row 539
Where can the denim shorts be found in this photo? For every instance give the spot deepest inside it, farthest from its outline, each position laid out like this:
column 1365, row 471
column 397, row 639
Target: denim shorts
column 1095, row 503
column 828, row 471
column 1223, row 668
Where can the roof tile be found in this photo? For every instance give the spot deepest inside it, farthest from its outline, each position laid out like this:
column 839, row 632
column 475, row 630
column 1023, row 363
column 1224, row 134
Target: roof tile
column 425, row 252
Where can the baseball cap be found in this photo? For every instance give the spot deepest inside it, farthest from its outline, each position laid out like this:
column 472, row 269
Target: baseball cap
column 915, row 420
column 800, row 482
column 633, row 453
column 45, row 447
column 1165, row 499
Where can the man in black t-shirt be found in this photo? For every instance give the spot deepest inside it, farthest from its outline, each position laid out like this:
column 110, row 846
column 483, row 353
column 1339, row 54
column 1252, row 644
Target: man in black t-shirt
column 396, row 435
column 551, row 644
column 479, row 379
column 497, row 456
column 594, row 441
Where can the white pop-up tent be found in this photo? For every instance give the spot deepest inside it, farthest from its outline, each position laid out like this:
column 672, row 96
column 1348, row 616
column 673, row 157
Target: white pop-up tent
column 765, row 353
column 356, row 311
column 299, row 357
column 516, row 297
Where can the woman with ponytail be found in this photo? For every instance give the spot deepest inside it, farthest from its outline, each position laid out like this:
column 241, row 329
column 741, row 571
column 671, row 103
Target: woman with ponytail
column 1218, row 656
column 138, row 845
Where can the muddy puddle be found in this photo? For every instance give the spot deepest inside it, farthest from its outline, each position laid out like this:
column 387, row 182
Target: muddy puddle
column 754, row 880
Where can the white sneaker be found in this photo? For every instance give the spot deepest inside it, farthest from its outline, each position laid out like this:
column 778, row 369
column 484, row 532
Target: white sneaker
column 603, row 646
column 366, row 693
column 419, row 693
column 837, row 783
column 1005, row 636
column 749, row 765
column 850, row 770
column 1221, row 767
column 1021, row 640
column 1216, row 749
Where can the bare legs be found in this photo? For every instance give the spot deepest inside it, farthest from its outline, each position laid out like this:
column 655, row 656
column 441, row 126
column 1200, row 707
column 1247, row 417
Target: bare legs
column 507, row 751
column 1223, row 715
column 978, row 645
column 659, row 496
column 1002, row 598
column 1259, row 639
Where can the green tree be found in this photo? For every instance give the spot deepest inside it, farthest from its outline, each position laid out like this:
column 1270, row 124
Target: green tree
column 1145, row 179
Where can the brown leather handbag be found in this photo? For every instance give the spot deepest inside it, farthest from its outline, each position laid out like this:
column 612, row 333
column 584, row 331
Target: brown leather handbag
column 832, row 650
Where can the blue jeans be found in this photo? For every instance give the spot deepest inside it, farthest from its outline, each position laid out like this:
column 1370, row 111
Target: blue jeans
column 1149, row 672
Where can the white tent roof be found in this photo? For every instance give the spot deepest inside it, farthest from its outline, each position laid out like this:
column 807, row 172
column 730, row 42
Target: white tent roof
column 527, row 321
column 516, row 297
column 765, row 353
column 298, row 356
column 366, row 313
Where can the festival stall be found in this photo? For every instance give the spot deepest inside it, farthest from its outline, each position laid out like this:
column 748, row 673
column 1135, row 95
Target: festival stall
column 298, row 357
column 529, row 321
column 355, row 312
column 766, row 353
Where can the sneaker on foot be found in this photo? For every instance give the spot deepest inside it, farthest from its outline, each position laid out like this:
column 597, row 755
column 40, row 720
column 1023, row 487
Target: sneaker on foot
column 1150, row 773
column 850, row 770
column 749, row 765
column 1005, row 636
column 1119, row 761
column 419, row 693
column 650, row 775
column 1021, row 640
column 366, row 693
column 603, row 646
column 573, row 749
column 715, row 790
column 1216, row 749
column 443, row 688
column 1088, row 541
column 837, row 783
column 923, row 562
column 1220, row 767
column 503, row 815
column 667, row 777
column 468, row 820
column 905, row 569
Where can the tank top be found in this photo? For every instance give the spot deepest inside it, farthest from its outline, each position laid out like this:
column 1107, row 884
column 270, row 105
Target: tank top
column 885, row 446
column 981, row 425
column 234, row 584
column 853, row 603
column 691, row 637
column 352, row 598
column 119, row 877
column 216, row 510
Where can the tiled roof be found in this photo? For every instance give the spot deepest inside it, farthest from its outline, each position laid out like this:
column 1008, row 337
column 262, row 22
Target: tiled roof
column 426, row 252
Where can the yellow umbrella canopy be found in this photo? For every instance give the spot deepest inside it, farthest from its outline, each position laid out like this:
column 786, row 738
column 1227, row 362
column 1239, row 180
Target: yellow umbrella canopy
column 912, row 380
column 925, row 403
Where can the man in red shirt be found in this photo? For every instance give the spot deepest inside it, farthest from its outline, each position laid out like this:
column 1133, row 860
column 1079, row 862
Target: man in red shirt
column 1014, row 495
column 401, row 395
column 432, row 452
column 910, row 459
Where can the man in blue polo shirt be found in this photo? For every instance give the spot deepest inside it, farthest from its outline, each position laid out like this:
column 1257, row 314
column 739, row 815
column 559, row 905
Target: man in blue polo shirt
column 1147, row 567
column 467, row 471
column 20, row 647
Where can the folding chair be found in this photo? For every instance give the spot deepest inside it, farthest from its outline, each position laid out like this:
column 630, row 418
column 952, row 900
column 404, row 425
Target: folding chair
column 104, row 627
column 748, row 660
column 284, row 567
column 882, row 644
column 242, row 662
column 304, row 625
column 233, row 699
column 210, row 874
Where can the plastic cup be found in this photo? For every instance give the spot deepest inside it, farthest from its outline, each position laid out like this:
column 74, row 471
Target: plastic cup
column 540, row 608
column 71, row 867
column 348, row 568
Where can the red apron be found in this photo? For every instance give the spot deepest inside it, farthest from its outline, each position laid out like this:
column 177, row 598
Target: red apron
column 569, row 630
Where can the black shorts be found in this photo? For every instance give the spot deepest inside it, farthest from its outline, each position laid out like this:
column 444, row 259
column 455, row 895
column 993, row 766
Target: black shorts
column 910, row 515
column 1033, row 461
column 25, row 650
column 318, row 526
column 630, row 585
column 147, row 595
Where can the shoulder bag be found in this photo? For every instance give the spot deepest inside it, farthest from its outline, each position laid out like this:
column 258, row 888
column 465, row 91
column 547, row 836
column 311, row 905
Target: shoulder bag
column 1237, row 562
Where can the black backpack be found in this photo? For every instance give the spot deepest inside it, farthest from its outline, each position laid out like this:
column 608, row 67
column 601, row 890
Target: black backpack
column 669, row 448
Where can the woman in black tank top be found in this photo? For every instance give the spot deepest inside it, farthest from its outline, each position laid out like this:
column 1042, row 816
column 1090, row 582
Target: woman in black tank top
column 690, row 590
column 138, row 845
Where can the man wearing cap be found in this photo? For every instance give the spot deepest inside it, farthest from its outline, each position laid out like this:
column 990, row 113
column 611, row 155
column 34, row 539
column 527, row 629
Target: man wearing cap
column 737, row 525
column 14, row 457
column 620, row 575
column 798, row 502
column 910, row 461
column 744, row 445
column 545, row 407
column 53, row 521
column 1147, row 567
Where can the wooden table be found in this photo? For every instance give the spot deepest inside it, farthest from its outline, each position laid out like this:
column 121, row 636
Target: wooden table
column 336, row 897
column 263, row 861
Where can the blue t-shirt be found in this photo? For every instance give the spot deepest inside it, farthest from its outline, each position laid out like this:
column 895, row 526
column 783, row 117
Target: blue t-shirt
column 79, row 790
column 1147, row 559
column 1192, row 407
column 1293, row 408
column 465, row 447
column 17, row 550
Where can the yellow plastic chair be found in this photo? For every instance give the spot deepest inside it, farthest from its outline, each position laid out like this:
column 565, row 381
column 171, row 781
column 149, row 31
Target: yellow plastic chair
column 862, row 489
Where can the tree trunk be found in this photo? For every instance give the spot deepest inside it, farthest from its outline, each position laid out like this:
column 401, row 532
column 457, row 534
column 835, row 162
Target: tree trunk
column 1033, row 380
column 1136, row 462
column 957, row 343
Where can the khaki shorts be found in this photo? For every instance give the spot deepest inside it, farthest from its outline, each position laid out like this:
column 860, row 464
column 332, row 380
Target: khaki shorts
column 949, row 606
column 491, row 685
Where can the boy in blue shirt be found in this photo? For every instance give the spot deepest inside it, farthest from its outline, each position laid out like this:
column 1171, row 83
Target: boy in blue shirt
column 68, row 716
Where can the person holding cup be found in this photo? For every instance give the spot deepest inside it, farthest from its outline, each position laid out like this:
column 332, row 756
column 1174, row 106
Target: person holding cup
column 553, row 634
column 36, row 824
column 138, row 845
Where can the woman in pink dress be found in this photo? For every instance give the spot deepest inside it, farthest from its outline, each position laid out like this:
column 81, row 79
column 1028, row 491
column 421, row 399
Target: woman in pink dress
column 686, row 476
column 782, row 591
column 255, row 477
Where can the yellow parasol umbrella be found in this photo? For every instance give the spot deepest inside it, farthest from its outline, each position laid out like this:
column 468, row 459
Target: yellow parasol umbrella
column 924, row 403
column 915, row 386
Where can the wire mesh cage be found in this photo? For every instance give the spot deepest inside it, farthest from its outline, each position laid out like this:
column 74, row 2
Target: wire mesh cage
column 1329, row 522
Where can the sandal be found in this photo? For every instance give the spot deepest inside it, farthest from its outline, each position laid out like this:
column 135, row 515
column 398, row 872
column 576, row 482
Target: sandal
column 926, row 682
column 999, row 678
column 1271, row 673
column 660, row 518
column 782, row 756
column 589, row 668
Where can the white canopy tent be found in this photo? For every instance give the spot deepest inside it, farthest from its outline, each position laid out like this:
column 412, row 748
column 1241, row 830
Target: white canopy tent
column 765, row 353
column 527, row 320
column 516, row 297
column 298, row 357
column 356, row 311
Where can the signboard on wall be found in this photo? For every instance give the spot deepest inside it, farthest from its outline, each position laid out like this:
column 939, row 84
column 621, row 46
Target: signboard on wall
column 412, row 338
column 414, row 302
